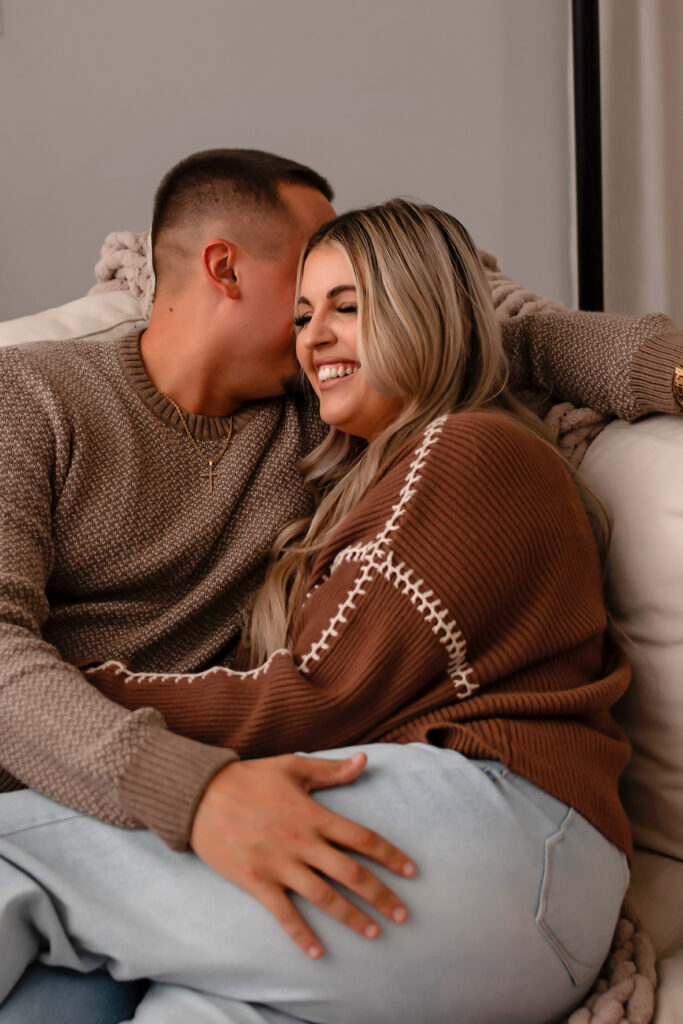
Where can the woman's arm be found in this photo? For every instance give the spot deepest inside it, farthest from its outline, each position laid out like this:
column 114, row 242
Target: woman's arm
column 351, row 669
column 477, row 527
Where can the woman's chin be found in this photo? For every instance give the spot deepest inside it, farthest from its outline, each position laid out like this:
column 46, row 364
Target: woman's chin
column 344, row 426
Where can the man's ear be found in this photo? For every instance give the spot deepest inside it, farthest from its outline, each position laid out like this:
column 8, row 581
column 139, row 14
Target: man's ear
column 218, row 261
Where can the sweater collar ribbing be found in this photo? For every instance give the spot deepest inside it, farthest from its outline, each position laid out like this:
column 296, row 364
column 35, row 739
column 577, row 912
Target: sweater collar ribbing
column 207, row 428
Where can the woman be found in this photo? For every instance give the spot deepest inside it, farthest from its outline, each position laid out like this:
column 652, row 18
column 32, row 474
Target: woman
column 443, row 608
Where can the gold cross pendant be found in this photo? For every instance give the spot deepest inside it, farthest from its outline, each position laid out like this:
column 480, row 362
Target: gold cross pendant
column 210, row 475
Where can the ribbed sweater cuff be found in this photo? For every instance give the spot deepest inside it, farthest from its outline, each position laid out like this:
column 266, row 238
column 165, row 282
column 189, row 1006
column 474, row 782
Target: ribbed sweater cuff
column 652, row 374
column 165, row 780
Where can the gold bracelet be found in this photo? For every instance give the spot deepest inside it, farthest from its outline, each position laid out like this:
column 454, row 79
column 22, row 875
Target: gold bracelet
column 677, row 385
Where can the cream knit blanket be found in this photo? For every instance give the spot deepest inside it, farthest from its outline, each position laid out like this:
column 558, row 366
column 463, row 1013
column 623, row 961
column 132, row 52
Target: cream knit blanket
column 125, row 264
column 624, row 991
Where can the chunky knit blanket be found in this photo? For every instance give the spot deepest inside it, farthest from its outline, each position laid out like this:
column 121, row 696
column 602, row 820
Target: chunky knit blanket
column 624, row 992
column 571, row 428
column 125, row 264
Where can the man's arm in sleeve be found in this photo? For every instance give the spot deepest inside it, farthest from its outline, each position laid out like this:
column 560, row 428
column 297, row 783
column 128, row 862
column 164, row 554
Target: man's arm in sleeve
column 618, row 365
column 60, row 735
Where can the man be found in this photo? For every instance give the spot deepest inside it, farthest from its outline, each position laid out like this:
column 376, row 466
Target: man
column 160, row 475
column 144, row 482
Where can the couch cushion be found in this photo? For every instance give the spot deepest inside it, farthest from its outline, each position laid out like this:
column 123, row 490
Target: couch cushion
column 637, row 471
column 670, row 990
column 101, row 314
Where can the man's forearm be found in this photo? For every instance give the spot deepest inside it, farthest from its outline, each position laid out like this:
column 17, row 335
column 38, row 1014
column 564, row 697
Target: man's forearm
column 618, row 365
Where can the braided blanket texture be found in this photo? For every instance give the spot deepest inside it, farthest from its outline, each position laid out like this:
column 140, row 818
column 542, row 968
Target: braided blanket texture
column 125, row 264
column 571, row 428
column 510, row 299
column 624, row 992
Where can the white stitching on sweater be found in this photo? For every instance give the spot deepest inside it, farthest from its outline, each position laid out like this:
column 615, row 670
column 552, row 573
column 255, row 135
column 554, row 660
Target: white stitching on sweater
column 185, row 677
column 408, row 489
column 376, row 559
column 437, row 615
column 339, row 619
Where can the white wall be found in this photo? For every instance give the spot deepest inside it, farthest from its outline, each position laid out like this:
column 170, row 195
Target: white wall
column 641, row 47
column 459, row 102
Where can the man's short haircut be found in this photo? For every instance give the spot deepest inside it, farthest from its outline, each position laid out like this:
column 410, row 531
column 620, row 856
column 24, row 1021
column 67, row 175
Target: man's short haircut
column 215, row 181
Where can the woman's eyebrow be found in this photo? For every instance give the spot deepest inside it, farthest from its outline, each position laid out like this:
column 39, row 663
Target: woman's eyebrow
column 330, row 295
column 340, row 288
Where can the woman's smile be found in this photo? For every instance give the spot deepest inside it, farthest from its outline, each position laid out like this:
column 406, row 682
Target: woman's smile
column 330, row 374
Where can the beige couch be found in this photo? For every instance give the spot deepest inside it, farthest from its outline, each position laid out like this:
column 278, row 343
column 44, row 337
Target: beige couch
column 637, row 471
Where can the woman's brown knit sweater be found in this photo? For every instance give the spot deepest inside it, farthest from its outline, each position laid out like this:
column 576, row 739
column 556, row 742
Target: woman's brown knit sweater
column 459, row 604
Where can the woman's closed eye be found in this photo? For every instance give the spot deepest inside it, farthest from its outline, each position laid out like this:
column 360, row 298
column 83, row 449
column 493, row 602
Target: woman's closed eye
column 303, row 318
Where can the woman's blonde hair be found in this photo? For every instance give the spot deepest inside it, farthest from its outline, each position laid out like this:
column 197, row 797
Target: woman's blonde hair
column 427, row 333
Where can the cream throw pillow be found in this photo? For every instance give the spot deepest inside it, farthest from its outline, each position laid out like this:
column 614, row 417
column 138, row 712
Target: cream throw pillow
column 101, row 314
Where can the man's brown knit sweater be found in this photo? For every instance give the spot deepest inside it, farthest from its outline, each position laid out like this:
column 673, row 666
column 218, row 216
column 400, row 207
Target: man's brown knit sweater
column 459, row 604
column 111, row 544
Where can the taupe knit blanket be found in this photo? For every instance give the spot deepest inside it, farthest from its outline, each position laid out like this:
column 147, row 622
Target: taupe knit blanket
column 571, row 428
column 125, row 264
column 625, row 990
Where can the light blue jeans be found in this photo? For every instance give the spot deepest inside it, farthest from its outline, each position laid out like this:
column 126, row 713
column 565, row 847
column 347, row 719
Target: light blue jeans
column 512, row 911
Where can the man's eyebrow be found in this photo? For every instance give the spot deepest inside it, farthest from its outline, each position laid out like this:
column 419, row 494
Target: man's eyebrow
column 330, row 295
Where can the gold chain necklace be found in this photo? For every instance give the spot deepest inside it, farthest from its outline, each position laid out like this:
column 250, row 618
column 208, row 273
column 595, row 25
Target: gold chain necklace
column 211, row 463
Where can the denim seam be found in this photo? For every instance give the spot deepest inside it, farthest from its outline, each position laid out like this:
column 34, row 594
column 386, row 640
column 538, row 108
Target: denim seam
column 39, row 824
column 551, row 842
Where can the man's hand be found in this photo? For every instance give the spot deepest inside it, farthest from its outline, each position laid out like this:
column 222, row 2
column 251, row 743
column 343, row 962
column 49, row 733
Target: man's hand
column 257, row 826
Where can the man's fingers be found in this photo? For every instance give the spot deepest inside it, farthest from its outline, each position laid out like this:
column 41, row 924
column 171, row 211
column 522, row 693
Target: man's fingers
column 275, row 899
column 322, row 772
column 318, row 773
column 258, row 826
column 363, row 840
column 353, row 875
column 326, row 897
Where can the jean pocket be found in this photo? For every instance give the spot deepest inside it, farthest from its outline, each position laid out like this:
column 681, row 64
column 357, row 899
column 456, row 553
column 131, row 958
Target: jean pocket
column 582, row 888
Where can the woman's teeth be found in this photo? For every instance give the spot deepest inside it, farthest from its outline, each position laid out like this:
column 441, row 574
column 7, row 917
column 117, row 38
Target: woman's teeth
column 330, row 370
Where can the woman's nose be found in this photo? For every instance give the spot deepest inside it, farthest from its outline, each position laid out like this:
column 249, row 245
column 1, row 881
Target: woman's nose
column 317, row 333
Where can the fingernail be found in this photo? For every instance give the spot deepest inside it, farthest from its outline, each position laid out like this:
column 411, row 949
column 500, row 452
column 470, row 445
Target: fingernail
column 315, row 952
column 399, row 915
column 371, row 931
column 408, row 869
